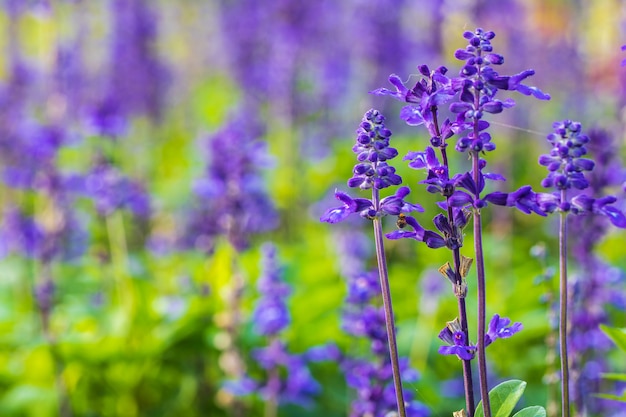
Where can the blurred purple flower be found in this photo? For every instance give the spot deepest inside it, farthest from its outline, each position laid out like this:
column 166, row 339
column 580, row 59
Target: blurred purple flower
column 271, row 315
column 137, row 74
column 111, row 190
column 232, row 199
column 596, row 285
column 371, row 376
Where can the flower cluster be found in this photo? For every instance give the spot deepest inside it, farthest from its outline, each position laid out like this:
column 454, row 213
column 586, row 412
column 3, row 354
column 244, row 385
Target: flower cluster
column 432, row 90
column 231, row 198
column 287, row 376
column 565, row 163
column 472, row 95
column 372, row 172
column 566, row 171
column 111, row 190
column 478, row 85
column 595, row 284
column 271, row 315
column 453, row 335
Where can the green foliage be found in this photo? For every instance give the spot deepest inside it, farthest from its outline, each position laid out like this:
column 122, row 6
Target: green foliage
column 533, row 411
column 504, row 397
column 618, row 336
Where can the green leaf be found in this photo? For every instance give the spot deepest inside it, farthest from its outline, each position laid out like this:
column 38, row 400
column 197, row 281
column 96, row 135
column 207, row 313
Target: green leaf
column 618, row 336
column 533, row 411
column 621, row 398
column 503, row 398
column 615, row 377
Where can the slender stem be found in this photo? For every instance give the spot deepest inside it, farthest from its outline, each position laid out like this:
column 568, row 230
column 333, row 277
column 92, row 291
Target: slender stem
column 65, row 409
column 386, row 294
column 468, row 383
column 565, row 408
column 482, row 304
column 273, row 384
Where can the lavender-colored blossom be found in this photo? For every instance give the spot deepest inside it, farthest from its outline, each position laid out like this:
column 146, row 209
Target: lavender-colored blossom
column 596, row 284
column 137, row 74
column 432, row 90
column 107, row 119
column 111, row 190
column 271, row 315
column 478, row 85
column 372, row 149
column 287, row 378
column 501, row 328
column 298, row 387
column 57, row 236
column 452, row 334
column 565, row 163
column 457, row 342
column 231, row 199
column 567, row 168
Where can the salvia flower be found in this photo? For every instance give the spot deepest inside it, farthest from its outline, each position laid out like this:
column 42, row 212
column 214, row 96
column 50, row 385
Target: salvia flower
column 478, row 85
column 231, row 198
column 567, row 168
column 297, row 387
column 111, row 190
column 287, row 376
column 372, row 172
column 432, row 90
column 565, row 163
column 501, row 328
column 454, row 336
column 271, row 314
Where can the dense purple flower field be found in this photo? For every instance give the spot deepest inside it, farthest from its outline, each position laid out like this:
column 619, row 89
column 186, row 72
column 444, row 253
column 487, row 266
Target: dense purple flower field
column 170, row 244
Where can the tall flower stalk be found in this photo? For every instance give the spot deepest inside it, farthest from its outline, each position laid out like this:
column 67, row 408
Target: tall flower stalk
column 287, row 378
column 373, row 172
column 475, row 88
column 594, row 286
column 480, row 83
column 567, row 168
column 431, row 91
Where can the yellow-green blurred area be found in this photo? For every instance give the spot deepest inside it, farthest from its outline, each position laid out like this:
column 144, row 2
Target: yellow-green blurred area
column 136, row 331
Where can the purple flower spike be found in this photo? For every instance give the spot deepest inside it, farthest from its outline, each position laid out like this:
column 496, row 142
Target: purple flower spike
column 372, row 172
column 567, row 171
column 501, row 328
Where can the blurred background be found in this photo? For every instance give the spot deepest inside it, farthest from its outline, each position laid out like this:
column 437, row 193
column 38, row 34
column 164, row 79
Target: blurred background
column 150, row 148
